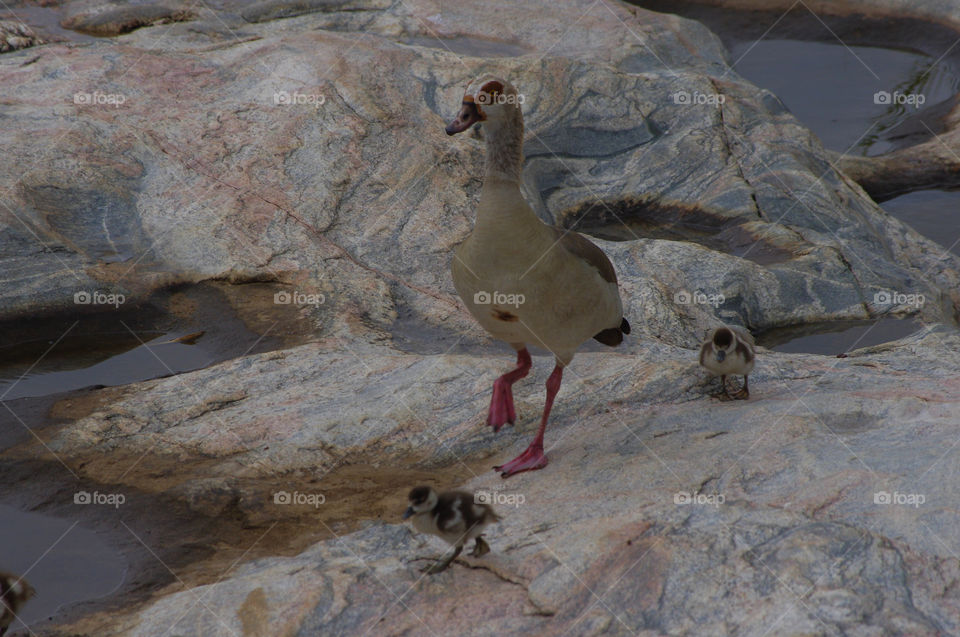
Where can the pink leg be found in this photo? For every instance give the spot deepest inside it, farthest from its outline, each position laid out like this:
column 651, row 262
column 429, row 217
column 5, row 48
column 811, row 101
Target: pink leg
column 533, row 457
column 501, row 403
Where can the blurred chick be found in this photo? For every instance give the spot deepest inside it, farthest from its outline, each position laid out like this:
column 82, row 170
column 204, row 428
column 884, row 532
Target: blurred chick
column 14, row 592
column 453, row 516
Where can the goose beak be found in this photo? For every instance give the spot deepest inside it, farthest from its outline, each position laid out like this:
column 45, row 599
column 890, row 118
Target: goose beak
column 721, row 355
column 409, row 511
column 469, row 115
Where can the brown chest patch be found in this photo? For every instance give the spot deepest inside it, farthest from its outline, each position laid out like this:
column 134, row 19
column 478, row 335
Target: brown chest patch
column 502, row 315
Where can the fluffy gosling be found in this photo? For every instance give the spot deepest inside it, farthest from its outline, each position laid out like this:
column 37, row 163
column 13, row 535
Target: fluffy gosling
column 452, row 516
column 729, row 350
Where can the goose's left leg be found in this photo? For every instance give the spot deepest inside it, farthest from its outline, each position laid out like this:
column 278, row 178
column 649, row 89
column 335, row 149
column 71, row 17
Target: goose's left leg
column 533, row 457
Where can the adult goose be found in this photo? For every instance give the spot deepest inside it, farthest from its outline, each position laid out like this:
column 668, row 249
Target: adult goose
column 523, row 280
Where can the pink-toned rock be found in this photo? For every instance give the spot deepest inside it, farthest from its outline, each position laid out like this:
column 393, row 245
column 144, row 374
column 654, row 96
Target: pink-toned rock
column 310, row 151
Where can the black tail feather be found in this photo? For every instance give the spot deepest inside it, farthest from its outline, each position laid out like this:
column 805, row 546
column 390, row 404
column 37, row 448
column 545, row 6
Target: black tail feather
column 613, row 336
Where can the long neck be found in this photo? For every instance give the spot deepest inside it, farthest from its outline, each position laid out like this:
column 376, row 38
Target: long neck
column 505, row 147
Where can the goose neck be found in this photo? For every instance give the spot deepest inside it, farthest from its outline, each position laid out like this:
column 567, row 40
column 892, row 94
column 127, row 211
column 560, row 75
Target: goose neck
column 505, row 151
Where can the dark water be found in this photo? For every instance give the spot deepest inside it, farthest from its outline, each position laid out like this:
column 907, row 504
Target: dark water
column 830, row 88
column 838, row 337
column 827, row 69
column 63, row 561
column 834, row 89
column 159, row 357
column 46, row 360
column 933, row 213
column 111, row 347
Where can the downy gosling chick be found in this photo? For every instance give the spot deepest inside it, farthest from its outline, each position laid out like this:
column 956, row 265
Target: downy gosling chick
column 14, row 592
column 453, row 516
column 729, row 350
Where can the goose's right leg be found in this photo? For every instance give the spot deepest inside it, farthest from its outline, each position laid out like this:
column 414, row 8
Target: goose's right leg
column 501, row 403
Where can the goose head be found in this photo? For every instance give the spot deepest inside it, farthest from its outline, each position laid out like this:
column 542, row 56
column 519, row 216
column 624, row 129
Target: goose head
column 422, row 499
column 723, row 343
column 487, row 99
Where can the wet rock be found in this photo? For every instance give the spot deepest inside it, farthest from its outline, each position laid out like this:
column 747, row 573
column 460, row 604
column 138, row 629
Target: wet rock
column 925, row 155
column 169, row 171
column 661, row 510
column 114, row 18
column 16, row 35
column 930, row 165
column 273, row 9
column 268, row 154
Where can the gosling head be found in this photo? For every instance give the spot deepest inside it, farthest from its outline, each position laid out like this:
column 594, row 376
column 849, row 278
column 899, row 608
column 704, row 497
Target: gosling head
column 723, row 343
column 422, row 500
column 487, row 99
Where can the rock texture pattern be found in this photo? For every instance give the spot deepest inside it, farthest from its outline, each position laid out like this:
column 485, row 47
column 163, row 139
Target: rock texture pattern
column 302, row 143
column 14, row 35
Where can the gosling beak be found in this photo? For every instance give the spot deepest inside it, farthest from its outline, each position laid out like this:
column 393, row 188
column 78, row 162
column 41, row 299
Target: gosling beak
column 469, row 115
column 409, row 511
column 721, row 355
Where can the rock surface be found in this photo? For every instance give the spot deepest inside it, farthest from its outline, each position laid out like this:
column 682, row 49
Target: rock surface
column 16, row 35
column 931, row 27
column 784, row 533
column 309, row 151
